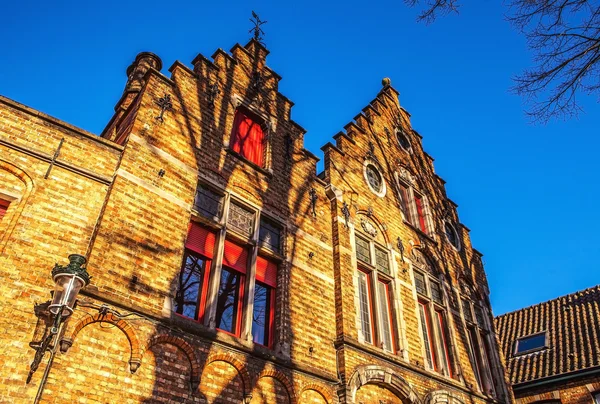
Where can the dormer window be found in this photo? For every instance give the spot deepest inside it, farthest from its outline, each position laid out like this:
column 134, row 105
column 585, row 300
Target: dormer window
column 248, row 137
column 530, row 343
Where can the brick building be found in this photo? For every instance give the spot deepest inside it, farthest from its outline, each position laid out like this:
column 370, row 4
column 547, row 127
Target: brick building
column 552, row 349
column 225, row 269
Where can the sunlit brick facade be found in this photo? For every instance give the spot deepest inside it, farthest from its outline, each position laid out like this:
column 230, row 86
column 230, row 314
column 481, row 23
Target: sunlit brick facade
column 225, row 269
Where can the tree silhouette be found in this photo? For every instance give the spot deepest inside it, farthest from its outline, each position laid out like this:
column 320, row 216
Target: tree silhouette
column 564, row 38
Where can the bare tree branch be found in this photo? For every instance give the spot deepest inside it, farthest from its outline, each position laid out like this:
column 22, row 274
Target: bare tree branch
column 433, row 8
column 564, row 36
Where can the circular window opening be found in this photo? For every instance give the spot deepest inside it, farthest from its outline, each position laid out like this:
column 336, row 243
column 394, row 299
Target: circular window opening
column 403, row 140
column 374, row 179
column 452, row 235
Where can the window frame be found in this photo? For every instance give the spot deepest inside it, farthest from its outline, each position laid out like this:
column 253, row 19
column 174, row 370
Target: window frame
column 415, row 214
column 381, row 193
column 480, row 348
column 255, row 250
column 373, row 277
column 264, row 124
column 402, row 133
column 516, row 351
column 441, row 343
column 454, row 230
column 596, row 397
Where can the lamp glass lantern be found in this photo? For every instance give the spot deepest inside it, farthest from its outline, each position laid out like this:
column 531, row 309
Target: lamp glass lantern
column 68, row 281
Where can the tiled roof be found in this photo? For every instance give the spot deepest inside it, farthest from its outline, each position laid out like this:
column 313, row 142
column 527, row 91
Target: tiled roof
column 572, row 323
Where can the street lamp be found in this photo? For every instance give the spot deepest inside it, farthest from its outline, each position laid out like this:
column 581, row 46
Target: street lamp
column 69, row 280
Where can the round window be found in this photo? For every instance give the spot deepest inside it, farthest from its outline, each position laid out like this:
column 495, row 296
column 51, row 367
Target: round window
column 403, row 140
column 452, row 236
column 374, row 179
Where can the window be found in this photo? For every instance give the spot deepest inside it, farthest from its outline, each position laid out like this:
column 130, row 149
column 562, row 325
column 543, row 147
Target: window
column 375, row 294
column 530, row 343
column 413, row 207
column 403, row 140
column 3, row 208
column 233, row 273
column 432, row 313
column 374, row 179
column 452, row 236
column 479, row 347
column 248, row 137
column 597, row 398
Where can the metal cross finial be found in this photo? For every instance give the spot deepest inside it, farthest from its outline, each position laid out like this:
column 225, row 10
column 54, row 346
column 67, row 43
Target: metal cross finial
column 258, row 32
column 165, row 104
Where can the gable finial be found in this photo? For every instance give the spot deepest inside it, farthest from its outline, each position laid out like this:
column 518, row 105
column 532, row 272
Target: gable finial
column 258, row 32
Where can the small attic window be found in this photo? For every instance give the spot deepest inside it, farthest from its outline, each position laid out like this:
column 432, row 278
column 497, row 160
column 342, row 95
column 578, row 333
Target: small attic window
column 530, row 343
column 403, row 140
column 248, row 137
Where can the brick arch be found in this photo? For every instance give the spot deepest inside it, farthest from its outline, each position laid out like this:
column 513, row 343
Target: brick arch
column 185, row 348
column 26, row 179
column 236, row 363
column 135, row 358
column 283, row 379
column 442, row 397
column 325, row 392
column 384, row 377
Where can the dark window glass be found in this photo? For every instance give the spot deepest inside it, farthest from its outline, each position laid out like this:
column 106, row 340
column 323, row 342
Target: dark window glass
column 475, row 357
column 363, row 252
column 365, row 306
column 479, row 316
column 403, row 140
column 467, row 310
column 227, row 301
column 240, row 219
column 381, row 261
column 596, row 398
column 262, row 314
column 531, row 343
column 207, row 202
column 269, row 235
column 420, row 283
column 445, row 341
column 436, row 292
column 189, row 289
column 451, row 235
column 374, row 178
column 427, row 335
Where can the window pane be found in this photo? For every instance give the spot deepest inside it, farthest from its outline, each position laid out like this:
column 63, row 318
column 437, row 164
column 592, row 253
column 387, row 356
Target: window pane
column 262, row 314
column 374, row 178
column 488, row 363
column 363, row 252
column 381, row 261
column 189, row 288
column 530, row 343
column 385, row 316
column 436, row 292
column 404, row 201
column 227, row 301
column 420, row 283
column 207, row 202
column 365, row 306
column 479, row 316
column 445, row 342
column 475, row 357
column 420, row 213
column 427, row 335
column 597, row 398
column 269, row 235
column 240, row 219
column 247, row 138
column 3, row 208
column 467, row 310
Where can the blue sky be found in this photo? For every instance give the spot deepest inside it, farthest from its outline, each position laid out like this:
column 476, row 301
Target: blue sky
column 528, row 193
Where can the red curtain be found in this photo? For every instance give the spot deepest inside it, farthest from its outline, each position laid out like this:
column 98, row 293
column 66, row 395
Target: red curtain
column 200, row 240
column 247, row 138
column 235, row 256
column 266, row 271
column 419, row 204
column 3, row 208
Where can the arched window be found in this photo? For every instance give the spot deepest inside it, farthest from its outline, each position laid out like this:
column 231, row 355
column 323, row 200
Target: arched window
column 433, row 315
